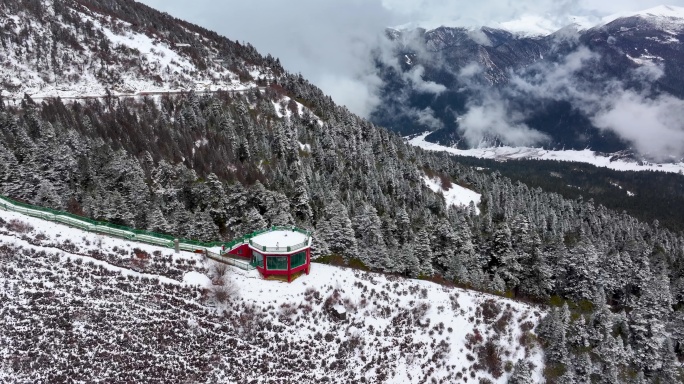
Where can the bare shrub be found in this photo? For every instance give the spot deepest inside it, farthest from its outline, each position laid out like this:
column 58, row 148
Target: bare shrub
column 489, row 357
column 19, row 226
column 221, row 294
column 526, row 326
column 217, row 273
column 306, row 308
column 41, row 237
column 501, row 324
column 473, row 339
column 490, row 310
column 223, row 289
column 330, row 303
column 453, row 299
column 287, row 312
column 419, row 311
column 312, row 294
column 140, row 259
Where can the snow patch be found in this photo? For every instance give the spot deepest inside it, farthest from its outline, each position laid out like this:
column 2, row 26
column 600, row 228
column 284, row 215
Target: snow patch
column 455, row 195
column 305, row 147
column 339, row 308
column 196, row 278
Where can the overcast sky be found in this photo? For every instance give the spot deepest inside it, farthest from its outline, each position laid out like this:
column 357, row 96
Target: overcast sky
column 328, row 40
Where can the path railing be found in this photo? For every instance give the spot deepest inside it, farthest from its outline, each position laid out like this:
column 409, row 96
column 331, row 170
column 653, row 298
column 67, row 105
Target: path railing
column 148, row 237
column 246, row 265
column 121, row 231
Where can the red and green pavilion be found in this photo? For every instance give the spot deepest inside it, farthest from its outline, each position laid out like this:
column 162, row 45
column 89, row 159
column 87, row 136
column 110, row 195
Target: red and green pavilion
column 277, row 251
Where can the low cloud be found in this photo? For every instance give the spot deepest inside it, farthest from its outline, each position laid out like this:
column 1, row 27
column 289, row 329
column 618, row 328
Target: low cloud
column 356, row 93
column 427, row 117
column 480, row 37
column 557, row 81
column 469, row 71
column 492, row 119
column 415, row 77
column 655, row 126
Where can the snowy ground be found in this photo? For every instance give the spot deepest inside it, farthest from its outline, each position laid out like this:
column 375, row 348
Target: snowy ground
column 93, row 299
column 512, row 153
column 455, row 195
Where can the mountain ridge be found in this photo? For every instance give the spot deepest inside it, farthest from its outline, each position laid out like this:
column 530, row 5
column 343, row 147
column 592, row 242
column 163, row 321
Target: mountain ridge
column 136, row 58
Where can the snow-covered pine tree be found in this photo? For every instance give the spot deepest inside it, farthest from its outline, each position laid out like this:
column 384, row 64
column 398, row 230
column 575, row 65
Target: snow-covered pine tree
column 422, row 249
column 337, row 230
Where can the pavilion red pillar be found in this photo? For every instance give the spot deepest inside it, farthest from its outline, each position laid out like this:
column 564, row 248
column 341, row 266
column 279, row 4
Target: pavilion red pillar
column 289, row 267
column 263, row 260
column 308, row 260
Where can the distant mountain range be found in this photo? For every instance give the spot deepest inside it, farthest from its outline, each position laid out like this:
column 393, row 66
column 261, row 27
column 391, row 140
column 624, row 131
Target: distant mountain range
column 567, row 89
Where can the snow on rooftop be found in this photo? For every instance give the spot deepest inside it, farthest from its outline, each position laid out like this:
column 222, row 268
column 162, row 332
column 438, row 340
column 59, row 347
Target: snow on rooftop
column 280, row 238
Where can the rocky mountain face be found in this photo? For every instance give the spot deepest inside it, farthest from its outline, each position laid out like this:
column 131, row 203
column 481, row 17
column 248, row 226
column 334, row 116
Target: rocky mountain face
column 553, row 85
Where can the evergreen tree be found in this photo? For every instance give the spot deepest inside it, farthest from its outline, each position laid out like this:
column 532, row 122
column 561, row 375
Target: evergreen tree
column 252, row 221
column 369, row 238
column 422, row 250
column 522, row 374
column 300, row 202
column 536, row 274
column 504, row 262
column 336, row 230
column 579, row 269
column 47, row 196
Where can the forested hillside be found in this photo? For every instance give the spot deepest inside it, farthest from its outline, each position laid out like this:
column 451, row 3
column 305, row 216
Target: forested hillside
column 223, row 164
column 647, row 195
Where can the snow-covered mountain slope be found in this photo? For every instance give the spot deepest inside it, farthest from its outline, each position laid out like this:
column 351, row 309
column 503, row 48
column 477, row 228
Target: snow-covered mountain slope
column 84, row 306
column 532, row 25
column 535, row 25
column 76, row 49
column 666, row 14
column 585, row 156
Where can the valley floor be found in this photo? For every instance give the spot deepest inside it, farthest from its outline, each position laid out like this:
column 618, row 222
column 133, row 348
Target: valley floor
column 511, row 153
